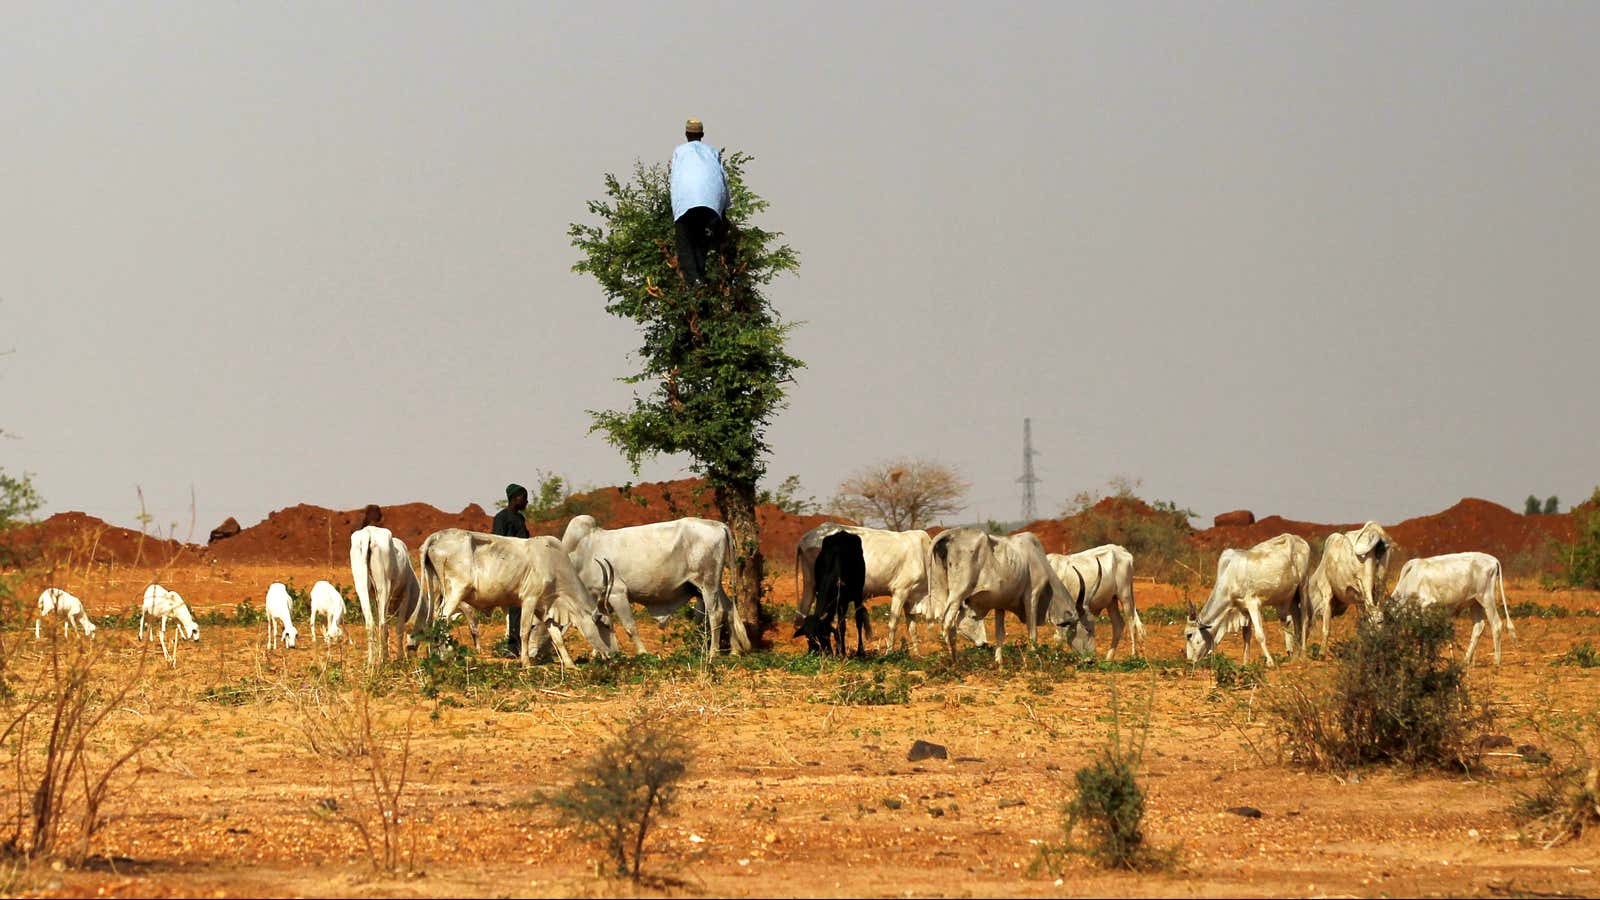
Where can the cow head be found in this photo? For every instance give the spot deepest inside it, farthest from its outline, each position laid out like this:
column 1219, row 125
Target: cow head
column 818, row 634
column 1071, row 613
column 1198, row 639
column 289, row 635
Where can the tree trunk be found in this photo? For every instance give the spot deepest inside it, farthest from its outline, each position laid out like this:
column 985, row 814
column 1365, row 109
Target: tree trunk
column 737, row 504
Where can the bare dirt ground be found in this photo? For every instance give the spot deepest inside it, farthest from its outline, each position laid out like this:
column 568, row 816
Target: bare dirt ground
column 792, row 793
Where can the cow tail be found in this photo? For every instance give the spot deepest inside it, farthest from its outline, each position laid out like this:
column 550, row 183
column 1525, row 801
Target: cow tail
column 1134, row 622
column 1500, row 579
column 430, row 583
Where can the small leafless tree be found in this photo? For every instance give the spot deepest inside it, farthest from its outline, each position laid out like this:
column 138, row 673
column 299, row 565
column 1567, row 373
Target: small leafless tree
column 901, row 494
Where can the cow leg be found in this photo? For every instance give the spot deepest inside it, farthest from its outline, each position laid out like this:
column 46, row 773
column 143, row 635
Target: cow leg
column 897, row 612
column 560, row 643
column 622, row 611
column 1115, row 612
column 1477, row 630
column 1261, row 633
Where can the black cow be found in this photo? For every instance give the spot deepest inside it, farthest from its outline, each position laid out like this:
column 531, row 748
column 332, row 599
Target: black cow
column 841, row 575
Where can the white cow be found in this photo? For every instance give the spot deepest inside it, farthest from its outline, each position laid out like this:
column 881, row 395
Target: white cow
column 897, row 567
column 1456, row 580
column 327, row 602
column 1109, row 568
column 660, row 566
column 970, row 569
column 158, row 601
column 487, row 571
column 387, row 587
column 1353, row 569
column 59, row 603
column 279, row 608
column 1272, row 572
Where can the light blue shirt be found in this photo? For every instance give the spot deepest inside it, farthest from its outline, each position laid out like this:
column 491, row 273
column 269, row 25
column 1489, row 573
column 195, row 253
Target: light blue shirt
column 698, row 179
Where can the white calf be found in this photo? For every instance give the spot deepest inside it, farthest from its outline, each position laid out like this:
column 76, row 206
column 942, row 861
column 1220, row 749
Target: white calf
column 158, row 601
column 56, row 602
column 1456, row 581
column 327, row 602
column 279, row 604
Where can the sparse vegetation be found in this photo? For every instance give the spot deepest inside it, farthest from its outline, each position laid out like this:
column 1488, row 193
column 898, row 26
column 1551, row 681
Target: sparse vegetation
column 871, row 690
column 1565, row 802
column 1109, row 803
column 370, row 782
column 1583, row 655
column 900, row 494
column 1581, row 558
column 620, row 791
column 787, row 497
column 1157, row 535
column 1396, row 696
column 66, row 769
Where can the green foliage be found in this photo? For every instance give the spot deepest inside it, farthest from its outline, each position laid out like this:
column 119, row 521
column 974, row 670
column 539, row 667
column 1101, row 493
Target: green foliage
column 1530, row 506
column 1583, row 655
column 18, row 502
column 714, row 355
column 1582, row 556
column 1552, row 505
column 1230, row 674
column 630, row 781
column 786, row 496
column 1395, row 697
column 873, row 690
column 1159, row 540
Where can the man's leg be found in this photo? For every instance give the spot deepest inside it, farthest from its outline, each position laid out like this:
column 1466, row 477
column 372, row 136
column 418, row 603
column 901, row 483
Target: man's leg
column 514, row 630
column 691, row 262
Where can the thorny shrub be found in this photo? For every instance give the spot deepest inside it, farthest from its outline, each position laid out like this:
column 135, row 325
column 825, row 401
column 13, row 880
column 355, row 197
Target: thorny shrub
column 630, row 781
column 370, row 782
column 1566, row 802
column 1395, row 696
column 65, row 766
column 1109, row 803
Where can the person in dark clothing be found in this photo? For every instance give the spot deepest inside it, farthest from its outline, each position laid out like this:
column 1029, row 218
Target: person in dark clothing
column 509, row 522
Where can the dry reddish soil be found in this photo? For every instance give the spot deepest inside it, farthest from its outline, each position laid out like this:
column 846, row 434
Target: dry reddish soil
column 791, row 793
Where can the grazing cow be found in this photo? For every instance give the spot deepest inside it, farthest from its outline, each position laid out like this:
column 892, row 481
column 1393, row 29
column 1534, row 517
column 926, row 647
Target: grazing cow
column 1272, row 572
column 1112, row 592
column 660, row 566
column 158, row 601
column 1353, row 569
column 841, row 571
column 387, row 587
column 327, row 602
column 486, row 571
column 59, row 603
column 896, row 567
column 1456, row 580
column 972, row 569
column 279, row 618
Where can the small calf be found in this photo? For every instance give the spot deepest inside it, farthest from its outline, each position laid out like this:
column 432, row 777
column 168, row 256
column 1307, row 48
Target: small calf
column 278, row 616
column 56, row 602
column 327, row 602
column 158, row 601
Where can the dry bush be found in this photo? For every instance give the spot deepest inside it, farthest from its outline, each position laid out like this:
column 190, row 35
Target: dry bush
column 371, row 778
column 901, row 494
column 1566, row 803
column 65, row 766
column 630, row 781
column 1393, row 697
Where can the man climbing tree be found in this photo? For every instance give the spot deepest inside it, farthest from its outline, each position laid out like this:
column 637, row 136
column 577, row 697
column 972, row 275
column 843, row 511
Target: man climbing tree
column 713, row 355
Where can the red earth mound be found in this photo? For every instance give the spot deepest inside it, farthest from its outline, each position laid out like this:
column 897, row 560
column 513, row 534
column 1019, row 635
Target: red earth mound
column 75, row 538
column 317, row 535
column 1061, row 535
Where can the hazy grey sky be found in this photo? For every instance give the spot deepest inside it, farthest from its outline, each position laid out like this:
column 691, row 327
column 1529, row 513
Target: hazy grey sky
column 1326, row 260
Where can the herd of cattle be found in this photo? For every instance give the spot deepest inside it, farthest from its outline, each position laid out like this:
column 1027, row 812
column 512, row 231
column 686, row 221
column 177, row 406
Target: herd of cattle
column 591, row 578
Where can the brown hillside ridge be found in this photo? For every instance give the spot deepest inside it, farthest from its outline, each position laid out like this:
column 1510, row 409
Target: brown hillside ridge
column 1236, row 517
column 305, row 534
column 76, row 538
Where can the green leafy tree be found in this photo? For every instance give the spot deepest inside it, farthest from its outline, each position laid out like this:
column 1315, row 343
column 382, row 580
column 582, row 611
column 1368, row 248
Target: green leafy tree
column 712, row 361
column 1530, row 506
column 1552, row 505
